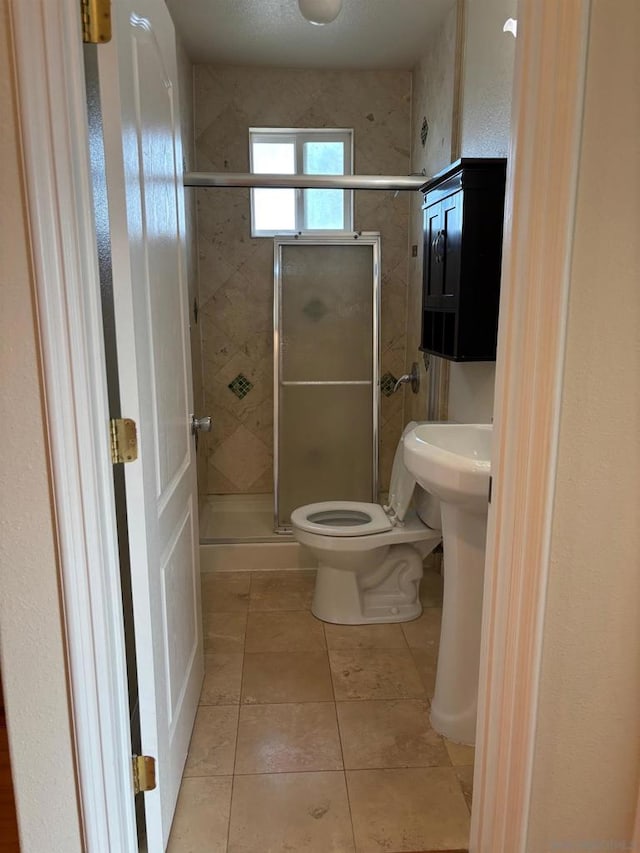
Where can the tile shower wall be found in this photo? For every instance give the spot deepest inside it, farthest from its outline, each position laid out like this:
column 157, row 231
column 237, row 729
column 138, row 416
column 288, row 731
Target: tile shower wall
column 185, row 85
column 236, row 271
column 433, row 105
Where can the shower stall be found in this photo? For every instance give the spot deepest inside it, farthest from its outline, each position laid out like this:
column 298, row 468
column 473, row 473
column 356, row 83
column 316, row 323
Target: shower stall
column 326, row 357
column 326, row 340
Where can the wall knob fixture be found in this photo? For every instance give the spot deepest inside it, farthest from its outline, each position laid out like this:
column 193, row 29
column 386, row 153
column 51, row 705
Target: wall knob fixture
column 413, row 378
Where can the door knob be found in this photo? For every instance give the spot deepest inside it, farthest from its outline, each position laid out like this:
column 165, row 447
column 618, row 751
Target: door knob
column 200, row 424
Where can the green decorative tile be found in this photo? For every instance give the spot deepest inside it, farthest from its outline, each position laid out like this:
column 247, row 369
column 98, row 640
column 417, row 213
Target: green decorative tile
column 240, row 386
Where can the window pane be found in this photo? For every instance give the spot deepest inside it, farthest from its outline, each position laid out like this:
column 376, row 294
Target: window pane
column 274, row 210
column 324, row 210
column 278, row 158
column 323, row 158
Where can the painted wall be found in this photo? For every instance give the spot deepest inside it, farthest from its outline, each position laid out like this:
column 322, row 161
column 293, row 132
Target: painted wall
column 236, row 272
column 587, row 761
column 484, row 132
column 185, row 85
column 32, row 647
column 433, row 99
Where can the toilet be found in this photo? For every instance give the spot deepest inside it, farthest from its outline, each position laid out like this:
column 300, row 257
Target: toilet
column 369, row 556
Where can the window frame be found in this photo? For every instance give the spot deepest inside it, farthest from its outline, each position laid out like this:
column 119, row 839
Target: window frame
column 299, row 136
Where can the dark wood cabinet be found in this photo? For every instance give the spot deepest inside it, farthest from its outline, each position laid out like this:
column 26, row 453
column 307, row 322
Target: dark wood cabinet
column 463, row 214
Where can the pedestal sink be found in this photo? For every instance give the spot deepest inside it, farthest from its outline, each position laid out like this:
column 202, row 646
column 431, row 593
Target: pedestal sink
column 453, row 463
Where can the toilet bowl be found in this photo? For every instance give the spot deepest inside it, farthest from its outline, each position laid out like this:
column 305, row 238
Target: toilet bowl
column 369, row 556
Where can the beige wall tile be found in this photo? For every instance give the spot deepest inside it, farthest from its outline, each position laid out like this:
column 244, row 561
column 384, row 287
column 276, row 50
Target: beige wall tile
column 407, row 810
column 288, row 738
column 236, row 271
column 302, row 812
column 274, row 677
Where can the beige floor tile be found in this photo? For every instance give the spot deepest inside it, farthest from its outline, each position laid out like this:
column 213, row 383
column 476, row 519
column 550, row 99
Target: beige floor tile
column 424, row 632
column 225, row 592
column 213, row 742
column 407, row 810
column 292, row 631
column 224, row 632
column 202, row 816
column 465, row 777
column 426, row 662
column 275, row 677
column 375, row 674
column 222, row 678
column 297, row 812
column 281, row 590
column 364, row 637
column 431, row 587
column 391, row 733
column 288, row 738
column 460, row 754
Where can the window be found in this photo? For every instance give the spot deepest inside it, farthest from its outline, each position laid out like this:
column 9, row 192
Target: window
column 325, row 151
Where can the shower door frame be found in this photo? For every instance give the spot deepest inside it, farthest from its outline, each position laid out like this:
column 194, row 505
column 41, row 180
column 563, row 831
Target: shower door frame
column 369, row 238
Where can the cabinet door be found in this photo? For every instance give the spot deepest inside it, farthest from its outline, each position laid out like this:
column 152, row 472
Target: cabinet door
column 449, row 247
column 433, row 268
column 442, row 249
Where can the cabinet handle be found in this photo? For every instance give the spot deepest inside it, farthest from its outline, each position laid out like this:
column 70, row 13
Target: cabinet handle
column 438, row 246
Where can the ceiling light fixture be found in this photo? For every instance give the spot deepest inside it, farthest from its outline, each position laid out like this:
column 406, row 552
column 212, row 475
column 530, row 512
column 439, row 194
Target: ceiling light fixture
column 320, row 12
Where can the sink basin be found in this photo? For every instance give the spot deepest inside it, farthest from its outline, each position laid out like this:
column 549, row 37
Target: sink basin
column 451, row 461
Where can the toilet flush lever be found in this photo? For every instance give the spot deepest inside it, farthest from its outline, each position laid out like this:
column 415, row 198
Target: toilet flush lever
column 413, row 378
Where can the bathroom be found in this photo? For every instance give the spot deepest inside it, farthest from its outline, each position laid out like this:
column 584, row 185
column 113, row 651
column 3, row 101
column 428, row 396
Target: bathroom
column 452, row 99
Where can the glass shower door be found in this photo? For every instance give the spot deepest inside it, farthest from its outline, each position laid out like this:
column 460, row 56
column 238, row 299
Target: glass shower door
column 326, row 314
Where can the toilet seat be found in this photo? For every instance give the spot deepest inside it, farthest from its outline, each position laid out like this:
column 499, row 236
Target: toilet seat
column 341, row 518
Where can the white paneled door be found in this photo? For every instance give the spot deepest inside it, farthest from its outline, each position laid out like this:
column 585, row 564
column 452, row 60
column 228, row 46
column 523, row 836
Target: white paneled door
column 138, row 90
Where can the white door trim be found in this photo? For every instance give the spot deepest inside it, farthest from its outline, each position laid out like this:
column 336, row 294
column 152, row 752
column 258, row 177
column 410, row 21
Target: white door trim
column 539, row 222
column 52, row 105
column 546, row 135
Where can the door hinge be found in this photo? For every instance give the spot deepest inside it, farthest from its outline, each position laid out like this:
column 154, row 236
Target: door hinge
column 144, row 773
column 96, row 21
column 124, row 440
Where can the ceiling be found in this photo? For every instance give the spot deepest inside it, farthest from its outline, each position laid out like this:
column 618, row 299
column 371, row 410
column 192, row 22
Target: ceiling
column 367, row 34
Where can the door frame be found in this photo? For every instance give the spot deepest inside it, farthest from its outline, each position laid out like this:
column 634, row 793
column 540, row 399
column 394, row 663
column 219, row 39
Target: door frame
column 551, row 51
column 48, row 56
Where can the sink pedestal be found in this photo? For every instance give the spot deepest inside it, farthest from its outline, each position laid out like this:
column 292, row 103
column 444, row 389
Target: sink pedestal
column 455, row 701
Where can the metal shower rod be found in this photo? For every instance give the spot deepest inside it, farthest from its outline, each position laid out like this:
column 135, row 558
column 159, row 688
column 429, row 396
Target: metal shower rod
column 333, row 182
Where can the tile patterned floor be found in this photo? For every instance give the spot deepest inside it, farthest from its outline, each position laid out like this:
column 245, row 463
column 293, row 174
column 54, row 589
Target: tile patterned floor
column 312, row 737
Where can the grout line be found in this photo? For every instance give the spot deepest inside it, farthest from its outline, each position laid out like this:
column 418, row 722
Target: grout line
column 235, row 752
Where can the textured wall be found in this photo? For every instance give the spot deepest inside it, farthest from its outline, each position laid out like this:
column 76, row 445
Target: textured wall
column 32, row 645
column 433, row 99
column 236, row 271
column 587, row 762
column 485, row 131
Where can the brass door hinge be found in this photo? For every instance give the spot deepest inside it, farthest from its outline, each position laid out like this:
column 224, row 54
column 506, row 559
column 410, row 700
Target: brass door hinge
column 96, row 21
column 144, row 773
column 124, row 440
